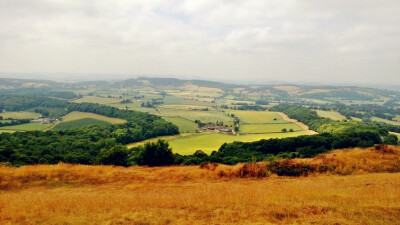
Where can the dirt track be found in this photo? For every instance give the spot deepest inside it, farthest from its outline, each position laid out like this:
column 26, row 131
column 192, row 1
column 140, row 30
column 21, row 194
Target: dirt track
column 301, row 125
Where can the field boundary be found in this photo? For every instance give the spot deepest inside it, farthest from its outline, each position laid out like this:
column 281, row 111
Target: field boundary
column 300, row 124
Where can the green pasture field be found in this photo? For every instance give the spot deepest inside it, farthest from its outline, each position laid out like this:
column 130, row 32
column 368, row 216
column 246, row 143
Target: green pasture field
column 232, row 102
column 397, row 134
column 133, row 105
column 208, row 94
column 210, row 142
column 204, row 116
column 82, row 115
column 7, row 131
column 185, row 107
column 184, row 125
column 173, row 100
column 27, row 127
column 377, row 119
column 20, row 115
column 267, row 128
column 194, row 102
column 100, row 100
column 256, row 117
column 202, row 99
column 356, row 119
column 330, row 114
column 358, row 102
column 145, row 109
column 221, row 101
column 397, row 118
column 166, row 138
column 182, row 93
column 79, row 123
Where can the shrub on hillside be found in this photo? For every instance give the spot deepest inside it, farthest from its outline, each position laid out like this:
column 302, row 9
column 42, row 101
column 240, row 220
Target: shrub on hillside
column 155, row 154
column 288, row 168
column 116, row 155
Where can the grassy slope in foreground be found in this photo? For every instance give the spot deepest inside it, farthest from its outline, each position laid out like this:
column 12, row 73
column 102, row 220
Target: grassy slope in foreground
column 77, row 194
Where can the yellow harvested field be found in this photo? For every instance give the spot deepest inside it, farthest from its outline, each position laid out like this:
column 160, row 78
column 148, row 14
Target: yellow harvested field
column 313, row 91
column 213, row 194
column 287, row 88
column 82, row 115
column 330, row 114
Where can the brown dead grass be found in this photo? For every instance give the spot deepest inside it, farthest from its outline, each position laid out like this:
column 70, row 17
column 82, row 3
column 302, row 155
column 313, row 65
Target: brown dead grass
column 211, row 194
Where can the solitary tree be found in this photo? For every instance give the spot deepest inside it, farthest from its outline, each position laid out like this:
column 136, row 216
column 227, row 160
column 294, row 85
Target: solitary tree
column 156, row 154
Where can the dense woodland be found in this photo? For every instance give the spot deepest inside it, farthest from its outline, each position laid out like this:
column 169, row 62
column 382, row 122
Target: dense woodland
column 85, row 145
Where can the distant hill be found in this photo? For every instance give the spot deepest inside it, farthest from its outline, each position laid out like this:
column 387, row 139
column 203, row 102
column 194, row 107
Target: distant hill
column 26, row 83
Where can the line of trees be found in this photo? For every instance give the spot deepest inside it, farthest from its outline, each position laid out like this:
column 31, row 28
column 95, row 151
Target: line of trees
column 13, row 122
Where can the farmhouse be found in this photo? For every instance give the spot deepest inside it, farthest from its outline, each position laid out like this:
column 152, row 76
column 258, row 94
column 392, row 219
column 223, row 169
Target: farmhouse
column 213, row 127
column 44, row 121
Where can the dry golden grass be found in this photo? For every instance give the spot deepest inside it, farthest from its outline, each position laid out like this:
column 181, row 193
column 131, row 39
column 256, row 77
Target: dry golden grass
column 212, row 194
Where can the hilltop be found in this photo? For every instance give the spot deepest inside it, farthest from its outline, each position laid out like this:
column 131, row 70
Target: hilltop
column 246, row 193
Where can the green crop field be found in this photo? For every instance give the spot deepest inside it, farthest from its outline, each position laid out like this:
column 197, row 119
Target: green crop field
column 356, row 119
column 100, row 100
column 233, row 102
column 210, row 142
column 267, row 128
column 82, row 115
column 133, row 105
column 20, row 115
column 173, row 100
column 385, row 121
column 145, row 109
column 183, row 124
column 330, row 114
column 7, row 131
column 185, row 107
column 397, row 134
column 27, row 127
column 252, row 117
column 79, row 123
column 204, row 116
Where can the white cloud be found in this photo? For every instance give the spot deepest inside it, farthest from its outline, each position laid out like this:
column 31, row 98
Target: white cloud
column 272, row 39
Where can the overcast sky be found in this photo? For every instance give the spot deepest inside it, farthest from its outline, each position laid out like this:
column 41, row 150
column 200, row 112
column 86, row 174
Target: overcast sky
column 278, row 40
